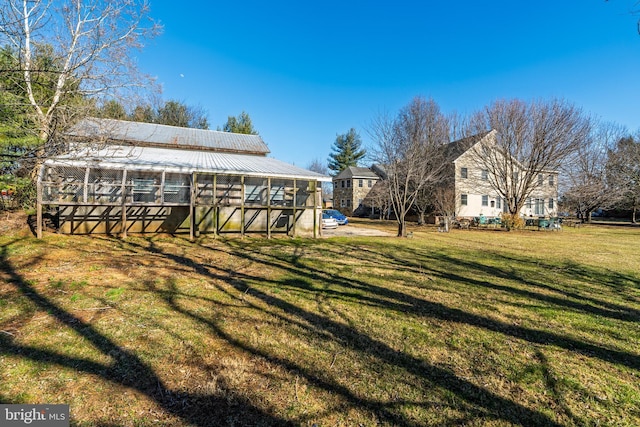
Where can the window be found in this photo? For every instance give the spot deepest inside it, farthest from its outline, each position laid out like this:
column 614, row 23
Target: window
column 485, row 200
column 540, row 180
column 498, row 203
column 145, row 189
column 348, row 183
column 539, row 209
column 343, row 183
column 463, row 199
column 277, row 192
column 550, row 203
column 463, row 172
column 348, row 203
column 551, row 180
column 335, row 184
column 485, row 174
column 529, row 205
column 493, row 204
column 176, row 188
column 360, row 183
column 342, row 204
column 369, row 183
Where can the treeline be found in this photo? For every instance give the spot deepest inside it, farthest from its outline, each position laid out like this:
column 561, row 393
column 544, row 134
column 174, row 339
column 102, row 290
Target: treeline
column 172, row 113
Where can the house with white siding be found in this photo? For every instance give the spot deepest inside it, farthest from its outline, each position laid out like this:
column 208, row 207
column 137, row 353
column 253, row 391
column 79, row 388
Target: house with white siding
column 475, row 187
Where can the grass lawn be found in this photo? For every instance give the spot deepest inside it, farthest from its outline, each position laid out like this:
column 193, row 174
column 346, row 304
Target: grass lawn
column 474, row 327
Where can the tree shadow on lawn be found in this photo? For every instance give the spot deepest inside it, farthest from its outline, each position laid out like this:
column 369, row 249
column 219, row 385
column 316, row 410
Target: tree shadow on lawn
column 127, row 369
column 405, row 303
column 477, row 400
column 451, row 268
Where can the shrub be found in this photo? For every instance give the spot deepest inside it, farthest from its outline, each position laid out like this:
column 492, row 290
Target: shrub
column 512, row 221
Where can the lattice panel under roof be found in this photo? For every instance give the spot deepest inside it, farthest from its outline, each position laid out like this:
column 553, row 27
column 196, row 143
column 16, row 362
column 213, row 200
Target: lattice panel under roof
column 105, row 186
column 229, row 190
column 64, row 184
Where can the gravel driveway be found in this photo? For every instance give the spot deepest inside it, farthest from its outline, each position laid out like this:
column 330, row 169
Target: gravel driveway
column 353, row 230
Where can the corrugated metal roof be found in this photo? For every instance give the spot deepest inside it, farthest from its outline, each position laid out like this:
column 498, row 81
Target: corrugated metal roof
column 184, row 161
column 161, row 135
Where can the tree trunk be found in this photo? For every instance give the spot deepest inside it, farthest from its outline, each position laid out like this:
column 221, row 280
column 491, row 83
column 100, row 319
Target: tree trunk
column 587, row 216
column 402, row 228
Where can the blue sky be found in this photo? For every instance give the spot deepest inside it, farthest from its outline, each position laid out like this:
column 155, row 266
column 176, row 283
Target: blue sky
column 307, row 71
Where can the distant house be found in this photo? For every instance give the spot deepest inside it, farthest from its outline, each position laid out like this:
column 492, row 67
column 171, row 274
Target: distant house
column 351, row 187
column 475, row 196
column 120, row 177
column 471, row 185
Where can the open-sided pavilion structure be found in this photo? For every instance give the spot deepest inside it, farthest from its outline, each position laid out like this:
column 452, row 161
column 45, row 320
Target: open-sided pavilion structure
column 119, row 177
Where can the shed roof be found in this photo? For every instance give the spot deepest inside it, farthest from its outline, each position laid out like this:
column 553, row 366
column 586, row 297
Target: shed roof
column 183, row 161
column 150, row 134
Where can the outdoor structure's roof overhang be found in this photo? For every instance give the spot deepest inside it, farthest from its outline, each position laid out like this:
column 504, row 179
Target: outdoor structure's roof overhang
column 155, row 135
column 173, row 160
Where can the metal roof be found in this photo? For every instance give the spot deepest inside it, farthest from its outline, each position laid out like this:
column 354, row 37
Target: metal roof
column 150, row 134
column 183, row 161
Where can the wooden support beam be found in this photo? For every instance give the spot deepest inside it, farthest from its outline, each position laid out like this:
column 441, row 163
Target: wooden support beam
column 269, row 208
column 315, row 208
column 242, row 219
column 216, row 210
column 162, row 183
column 85, row 192
column 39, row 203
column 192, row 205
column 123, row 206
column 295, row 202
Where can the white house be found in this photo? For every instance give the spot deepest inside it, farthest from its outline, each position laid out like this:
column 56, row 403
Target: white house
column 475, row 187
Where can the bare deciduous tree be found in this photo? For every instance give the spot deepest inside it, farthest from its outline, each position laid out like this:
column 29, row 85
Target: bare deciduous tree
column 529, row 139
column 409, row 147
column 587, row 175
column 91, row 43
column 623, row 172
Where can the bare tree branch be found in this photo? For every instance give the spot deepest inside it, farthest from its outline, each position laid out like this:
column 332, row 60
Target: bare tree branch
column 529, row 140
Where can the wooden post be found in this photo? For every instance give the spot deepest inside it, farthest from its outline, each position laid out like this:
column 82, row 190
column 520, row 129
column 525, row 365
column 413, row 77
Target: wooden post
column 216, row 211
column 269, row 208
column 242, row 206
column 192, row 207
column 123, row 205
column 315, row 209
column 39, row 203
column 164, row 174
column 85, row 192
column 295, row 202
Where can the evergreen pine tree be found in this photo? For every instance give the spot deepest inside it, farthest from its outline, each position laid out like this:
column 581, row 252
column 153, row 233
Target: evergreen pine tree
column 346, row 151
